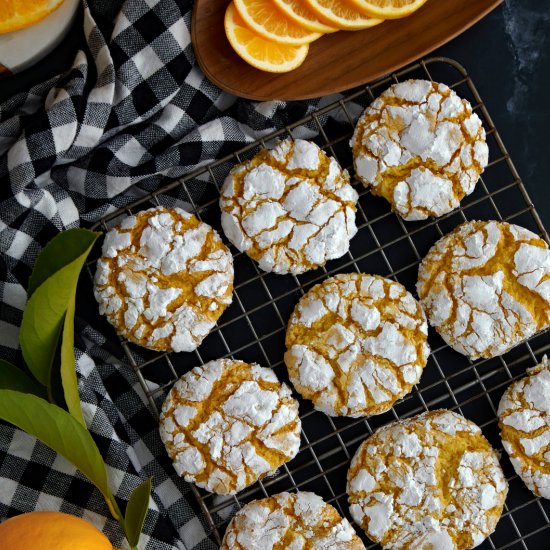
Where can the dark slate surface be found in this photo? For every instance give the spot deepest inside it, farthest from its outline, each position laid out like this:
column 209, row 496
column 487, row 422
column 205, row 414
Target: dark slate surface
column 508, row 56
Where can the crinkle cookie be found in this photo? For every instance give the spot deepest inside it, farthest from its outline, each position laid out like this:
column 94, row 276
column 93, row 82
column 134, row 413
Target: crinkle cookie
column 290, row 208
column 164, row 279
column 227, row 424
column 486, row 287
column 420, row 147
column 356, row 343
column 524, row 419
column 430, row 482
column 290, row 521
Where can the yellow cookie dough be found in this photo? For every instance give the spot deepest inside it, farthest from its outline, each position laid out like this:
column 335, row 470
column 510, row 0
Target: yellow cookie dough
column 421, row 148
column 486, row 287
column 290, row 521
column 164, row 279
column 356, row 344
column 290, row 208
column 227, row 424
column 524, row 420
column 429, row 482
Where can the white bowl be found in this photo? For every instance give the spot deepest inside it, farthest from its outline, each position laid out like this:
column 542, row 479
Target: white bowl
column 21, row 49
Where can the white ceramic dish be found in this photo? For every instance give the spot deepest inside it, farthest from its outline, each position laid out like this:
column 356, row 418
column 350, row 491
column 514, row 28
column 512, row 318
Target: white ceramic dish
column 23, row 48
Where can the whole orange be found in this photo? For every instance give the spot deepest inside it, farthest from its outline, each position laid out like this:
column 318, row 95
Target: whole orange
column 51, row 531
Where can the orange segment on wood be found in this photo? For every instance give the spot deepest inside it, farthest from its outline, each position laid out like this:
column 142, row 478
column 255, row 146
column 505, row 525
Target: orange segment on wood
column 18, row 14
column 339, row 14
column 386, row 9
column 259, row 52
column 264, row 18
column 301, row 14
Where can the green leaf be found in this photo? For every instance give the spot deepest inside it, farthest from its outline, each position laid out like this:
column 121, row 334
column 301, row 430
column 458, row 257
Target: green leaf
column 13, row 378
column 43, row 321
column 63, row 249
column 68, row 366
column 136, row 511
column 44, row 313
column 62, row 433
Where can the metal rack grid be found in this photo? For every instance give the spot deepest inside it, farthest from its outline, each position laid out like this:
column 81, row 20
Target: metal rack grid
column 253, row 328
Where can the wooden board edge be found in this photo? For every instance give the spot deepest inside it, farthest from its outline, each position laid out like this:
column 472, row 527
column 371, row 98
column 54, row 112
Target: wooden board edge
column 376, row 76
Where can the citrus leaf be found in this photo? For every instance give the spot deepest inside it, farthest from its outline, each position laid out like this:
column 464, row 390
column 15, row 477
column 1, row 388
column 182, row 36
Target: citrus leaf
column 136, row 511
column 13, row 378
column 68, row 366
column 43, row 321
column 45, row 313
column 64, row 248
column 62, row 433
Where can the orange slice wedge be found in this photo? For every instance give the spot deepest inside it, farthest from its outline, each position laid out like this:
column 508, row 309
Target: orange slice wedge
column 386, row 9
column 340, row 14
column 298, row 11
column 265, row 19
column 257, row 51
column 18, row 14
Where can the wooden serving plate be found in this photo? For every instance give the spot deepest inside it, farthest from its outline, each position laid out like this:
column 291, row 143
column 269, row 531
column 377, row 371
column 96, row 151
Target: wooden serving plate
column 336, row 62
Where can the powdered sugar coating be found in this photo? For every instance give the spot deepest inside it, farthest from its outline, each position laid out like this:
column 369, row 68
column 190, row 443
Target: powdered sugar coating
column 164, row 279
column 293, row 521
column 227, row 424
column 356, row 343
column 431, row 479
column 291, row 208
column 420, row 147
column 524, row 419
column 486, row 287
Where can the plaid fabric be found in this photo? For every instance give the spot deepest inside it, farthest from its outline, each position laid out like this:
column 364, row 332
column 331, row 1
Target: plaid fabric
column 133, row 111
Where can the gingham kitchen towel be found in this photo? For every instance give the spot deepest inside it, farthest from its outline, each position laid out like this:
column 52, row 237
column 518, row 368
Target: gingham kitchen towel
column 133, row 111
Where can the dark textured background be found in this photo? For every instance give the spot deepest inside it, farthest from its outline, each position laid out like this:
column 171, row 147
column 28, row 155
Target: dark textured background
column 508, row 56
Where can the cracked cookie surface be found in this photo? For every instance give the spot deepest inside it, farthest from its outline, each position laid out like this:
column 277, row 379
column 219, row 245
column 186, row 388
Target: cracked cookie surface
column 164, row 279
column 290, row 521
column 431, row 481
column 227, row 424
column 291, row 208
column 524, row 420
column 356, row 343
column 486, row 287
column 420, row 146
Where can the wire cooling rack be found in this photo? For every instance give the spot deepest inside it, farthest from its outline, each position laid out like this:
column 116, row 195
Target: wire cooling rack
column 253, row 328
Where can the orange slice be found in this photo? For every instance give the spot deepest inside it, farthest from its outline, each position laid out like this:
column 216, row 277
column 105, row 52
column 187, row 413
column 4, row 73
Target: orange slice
column 298, row 11
column 341, row 15
column 263, row 17
column 386, row 9
column 18, row 14
column 257, row 51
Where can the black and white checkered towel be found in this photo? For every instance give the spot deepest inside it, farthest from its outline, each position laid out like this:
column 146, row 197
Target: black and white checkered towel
column 133, row 111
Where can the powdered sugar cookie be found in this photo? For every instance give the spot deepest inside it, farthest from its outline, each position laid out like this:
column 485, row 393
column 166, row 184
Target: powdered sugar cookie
column 432, row 481
column 291, row 521
column 227, row 424
column 486, row 287
column 291, row 208
column 356, row 344
column 164, row 279
column 420, row 147
column 524, row 419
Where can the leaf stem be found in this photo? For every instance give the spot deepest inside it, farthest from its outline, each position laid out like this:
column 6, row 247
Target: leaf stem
column 51, row 398
column 114, row 509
